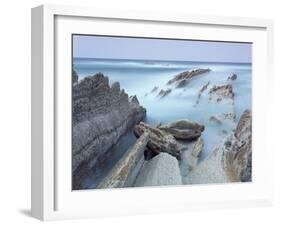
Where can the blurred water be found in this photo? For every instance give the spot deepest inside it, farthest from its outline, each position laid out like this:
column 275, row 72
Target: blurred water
column 139, row 78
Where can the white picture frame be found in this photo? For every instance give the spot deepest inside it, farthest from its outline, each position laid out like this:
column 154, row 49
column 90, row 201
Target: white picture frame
column 52, row 197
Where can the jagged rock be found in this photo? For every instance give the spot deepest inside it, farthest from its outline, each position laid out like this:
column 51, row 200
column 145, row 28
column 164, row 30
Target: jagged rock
column 184, row 78
column 232, row 77
column 223, row 92
column 208, row 171
column 127, row 168
column 215, row 120
column 203, row 88
column 159, row 140
column 101, row 115
column 198, row 146
column 237, row 156
column 190, row 155
column 163, row 169
column 183, row 129
column 133, row 99
column 164, row 93
column 155, row 88
column 229, row 116
column 74, row 76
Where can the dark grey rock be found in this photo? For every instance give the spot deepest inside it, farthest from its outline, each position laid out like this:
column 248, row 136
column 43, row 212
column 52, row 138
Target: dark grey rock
column 232, row 77
column 159, row 140
column 182, row 79
column 164, row 93
column 101, row 115
column 74, row 76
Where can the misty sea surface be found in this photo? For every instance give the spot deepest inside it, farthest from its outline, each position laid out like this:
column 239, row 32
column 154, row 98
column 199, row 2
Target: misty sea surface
column 139, row 77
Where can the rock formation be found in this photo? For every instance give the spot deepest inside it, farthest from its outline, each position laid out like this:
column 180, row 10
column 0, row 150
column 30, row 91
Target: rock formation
column 159, row 140
column 124, row 173
column 215, row 120
column 232, row 77
column 101, row 115
column 221, row 93
column 164, row 93
column 183, row 129
column 237, row 156
column 184, row 78
column 159, row 171
column 74, row 76
column 155, row 88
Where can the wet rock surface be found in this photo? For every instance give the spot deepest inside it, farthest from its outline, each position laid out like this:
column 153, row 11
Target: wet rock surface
column 159, row 140
column 101, row 115
column 164, row 93
column 232, row 77
column 127, row 168
column 238, row 149
column 220, row 93
column 182, row 79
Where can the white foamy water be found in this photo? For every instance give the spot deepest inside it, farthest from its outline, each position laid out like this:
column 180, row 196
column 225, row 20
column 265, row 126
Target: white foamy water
column 140, row 77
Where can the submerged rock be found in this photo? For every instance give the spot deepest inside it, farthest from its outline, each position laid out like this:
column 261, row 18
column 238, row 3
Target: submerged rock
column 164, row 93
column 184, row 78
column 101, row 115
column 237, row 156
column 155, row 88
column 215, row 120
column 203, row 88
column 163, row 169
column 232, row 77
column 190, row 155
column 127, row 168
column 221, row 93
column 159, row 140
column 223, row 90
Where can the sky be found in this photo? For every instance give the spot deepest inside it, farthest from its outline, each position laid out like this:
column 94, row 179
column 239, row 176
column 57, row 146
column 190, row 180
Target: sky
column 90, row 46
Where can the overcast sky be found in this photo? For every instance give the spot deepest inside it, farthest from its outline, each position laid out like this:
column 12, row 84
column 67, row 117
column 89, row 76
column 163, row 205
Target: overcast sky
column 160, row 49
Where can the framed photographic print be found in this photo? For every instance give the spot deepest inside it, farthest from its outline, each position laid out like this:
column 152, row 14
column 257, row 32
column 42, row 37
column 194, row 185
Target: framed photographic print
column 137, row 112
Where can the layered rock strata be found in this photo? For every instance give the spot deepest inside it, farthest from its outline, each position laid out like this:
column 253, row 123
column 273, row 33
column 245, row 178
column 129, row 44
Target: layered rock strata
column 237, row 157
column 127, row 168
column 182, row 79
column 101, row 115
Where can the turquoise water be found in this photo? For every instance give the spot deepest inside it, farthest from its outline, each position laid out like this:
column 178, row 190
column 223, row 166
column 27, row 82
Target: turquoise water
column 140, row 76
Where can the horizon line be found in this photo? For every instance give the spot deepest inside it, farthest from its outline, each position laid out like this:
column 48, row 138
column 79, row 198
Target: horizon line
column 191, row 61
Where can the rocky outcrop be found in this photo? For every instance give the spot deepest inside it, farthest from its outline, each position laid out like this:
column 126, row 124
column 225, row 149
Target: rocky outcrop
column 183, row 129
column 201, row 91
column 159, row 140
column 164, row 93
column 232, row 77
column 184, row 78
column 237, row 156
column 159, row 171
column 190, row 155
column 155, row 88
column 74, row 76
column 101, row 115
column 127, row 168
column 215, row 120
column 221, row 93
column 210, row 170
